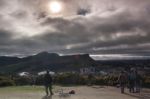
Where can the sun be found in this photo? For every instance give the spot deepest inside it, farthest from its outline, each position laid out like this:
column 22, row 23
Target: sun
column 55, row 7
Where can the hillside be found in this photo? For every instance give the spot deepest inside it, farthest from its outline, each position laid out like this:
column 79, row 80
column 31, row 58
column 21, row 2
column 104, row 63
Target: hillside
column 44, row 61
column 55, row 62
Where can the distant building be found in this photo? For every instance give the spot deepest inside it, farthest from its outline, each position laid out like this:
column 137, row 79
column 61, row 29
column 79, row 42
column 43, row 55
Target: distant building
column 87, row 70
column 146, row 68
column 24, row 74
column 103, row 73
column 44, row 72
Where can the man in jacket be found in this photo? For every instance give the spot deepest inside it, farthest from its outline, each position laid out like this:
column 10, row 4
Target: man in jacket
column 48, row 83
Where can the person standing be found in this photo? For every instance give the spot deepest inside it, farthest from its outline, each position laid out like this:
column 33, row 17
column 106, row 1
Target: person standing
column 131, row 78
column 48, row 83
column 138, row 82
column 122, row 80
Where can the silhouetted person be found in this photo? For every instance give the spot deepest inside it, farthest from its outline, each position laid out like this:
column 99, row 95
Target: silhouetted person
column 48, row 83
column 122, row 80
column 138, row 82
column 132, row 78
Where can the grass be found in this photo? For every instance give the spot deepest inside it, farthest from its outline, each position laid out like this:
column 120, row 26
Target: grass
column 25, row 89
column 22, row 89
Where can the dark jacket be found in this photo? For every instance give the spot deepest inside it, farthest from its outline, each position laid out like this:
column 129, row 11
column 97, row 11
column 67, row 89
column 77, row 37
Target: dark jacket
column 47, row 79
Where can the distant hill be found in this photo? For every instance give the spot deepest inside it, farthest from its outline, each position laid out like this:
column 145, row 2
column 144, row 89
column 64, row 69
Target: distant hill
column 126, row 64
column 4, row 60
column 45, row 60
column 55, row 62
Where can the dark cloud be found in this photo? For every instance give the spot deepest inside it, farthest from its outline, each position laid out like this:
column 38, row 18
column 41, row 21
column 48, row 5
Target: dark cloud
column 83, row 12
column 5, row 37
column 83, row 27
column 2, row 3
column 20, row 14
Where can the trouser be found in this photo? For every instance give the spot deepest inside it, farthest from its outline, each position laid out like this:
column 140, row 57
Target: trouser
column 48, row 89
column 138, row 87
column 122, row 85
column 131, row 86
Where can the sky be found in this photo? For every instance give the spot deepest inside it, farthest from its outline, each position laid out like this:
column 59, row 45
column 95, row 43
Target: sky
column 97, row 27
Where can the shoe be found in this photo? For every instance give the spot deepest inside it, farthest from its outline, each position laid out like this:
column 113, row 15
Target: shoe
column 52, row 93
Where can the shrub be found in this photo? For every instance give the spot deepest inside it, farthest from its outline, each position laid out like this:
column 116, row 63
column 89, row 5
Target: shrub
column 146, row 82
column 69, row 79
column 100, row 81
column 39, row 80
column 6, row 81
column 23, row 81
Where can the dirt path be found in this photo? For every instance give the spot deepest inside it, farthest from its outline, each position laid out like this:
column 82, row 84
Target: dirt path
column 82, row 92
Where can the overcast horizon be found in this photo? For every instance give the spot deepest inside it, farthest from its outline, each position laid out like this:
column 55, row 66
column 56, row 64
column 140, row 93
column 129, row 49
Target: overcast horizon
column 97, row 27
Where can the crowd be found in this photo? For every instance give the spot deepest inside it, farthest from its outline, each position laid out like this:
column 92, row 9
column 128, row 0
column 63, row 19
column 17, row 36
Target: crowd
column 131, row 80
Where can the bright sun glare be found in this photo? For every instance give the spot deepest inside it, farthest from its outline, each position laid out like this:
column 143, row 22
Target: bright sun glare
column 55, row 7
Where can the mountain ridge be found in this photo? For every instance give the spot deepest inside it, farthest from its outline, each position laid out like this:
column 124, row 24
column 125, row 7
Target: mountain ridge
column 45, row 60
column 58, row 63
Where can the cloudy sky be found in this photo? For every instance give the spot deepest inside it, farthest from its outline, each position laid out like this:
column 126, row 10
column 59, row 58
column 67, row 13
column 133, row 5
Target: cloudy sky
column 81, row 26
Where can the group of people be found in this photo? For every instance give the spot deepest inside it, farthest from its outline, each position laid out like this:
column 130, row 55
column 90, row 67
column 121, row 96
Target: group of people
column 130, row 79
